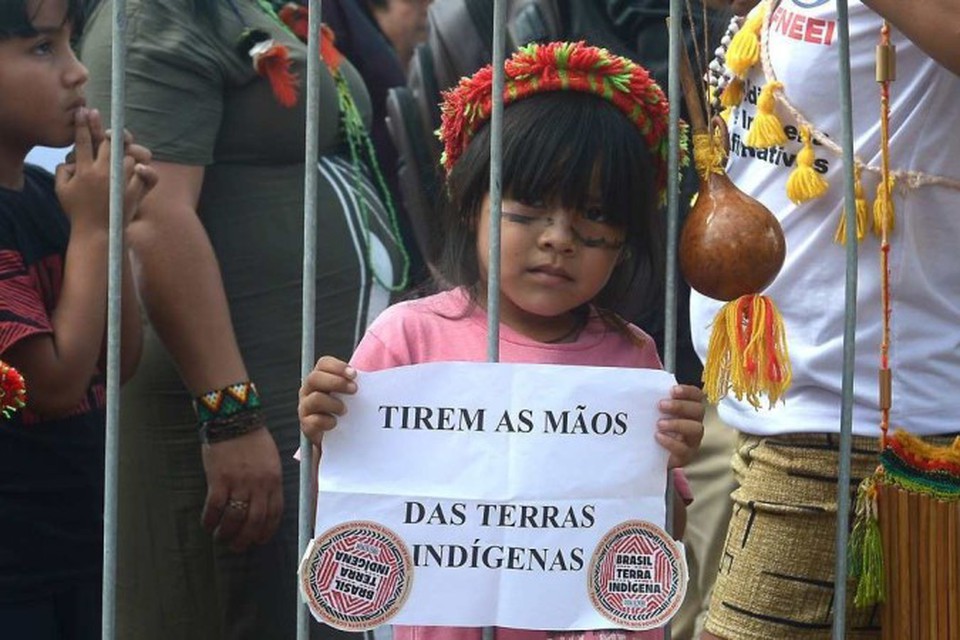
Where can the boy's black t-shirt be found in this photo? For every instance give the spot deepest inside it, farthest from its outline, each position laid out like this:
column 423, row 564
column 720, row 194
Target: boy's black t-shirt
column 51, row 471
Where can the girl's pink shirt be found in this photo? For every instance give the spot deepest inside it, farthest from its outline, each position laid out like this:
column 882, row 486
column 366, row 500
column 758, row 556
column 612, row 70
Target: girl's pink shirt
column 445, row 327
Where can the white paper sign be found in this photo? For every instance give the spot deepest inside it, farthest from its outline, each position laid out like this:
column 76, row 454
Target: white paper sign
column 477, row 494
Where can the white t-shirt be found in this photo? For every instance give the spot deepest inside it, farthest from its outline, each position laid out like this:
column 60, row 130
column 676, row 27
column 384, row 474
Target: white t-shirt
column 924, row 260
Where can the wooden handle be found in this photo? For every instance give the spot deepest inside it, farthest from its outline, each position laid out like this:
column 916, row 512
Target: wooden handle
column 691, row 94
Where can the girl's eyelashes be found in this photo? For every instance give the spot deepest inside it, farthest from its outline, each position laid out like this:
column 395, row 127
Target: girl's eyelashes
column 519, row 218
column 593, row 243
column 596, row 214
column 532, row 203
column 597, row 243
column 534, row 208
column 583, row 236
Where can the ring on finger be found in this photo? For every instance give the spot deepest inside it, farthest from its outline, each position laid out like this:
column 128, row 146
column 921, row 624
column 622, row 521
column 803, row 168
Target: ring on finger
column 237, row 505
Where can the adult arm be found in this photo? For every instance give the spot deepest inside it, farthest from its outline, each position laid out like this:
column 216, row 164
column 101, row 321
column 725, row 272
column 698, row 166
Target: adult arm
column 933, row 25
column 182, row 292
column 131, row 327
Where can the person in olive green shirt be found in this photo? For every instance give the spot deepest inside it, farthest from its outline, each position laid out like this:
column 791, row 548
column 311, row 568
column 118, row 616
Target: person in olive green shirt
column 219, row 259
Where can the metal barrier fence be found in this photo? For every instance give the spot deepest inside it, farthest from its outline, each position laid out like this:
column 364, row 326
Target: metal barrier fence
column 309, row 279
column 309, row 284
column 111, row 471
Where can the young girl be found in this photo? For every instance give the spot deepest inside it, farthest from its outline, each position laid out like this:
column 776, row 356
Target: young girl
column 53, row 313
column 584, row 166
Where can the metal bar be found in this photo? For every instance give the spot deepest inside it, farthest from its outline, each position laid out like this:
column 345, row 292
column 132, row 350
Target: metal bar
column 309, row 292
column 673, row 223
column 849, row 327
column 673, row 186
column 496, row 194
column 114, row 281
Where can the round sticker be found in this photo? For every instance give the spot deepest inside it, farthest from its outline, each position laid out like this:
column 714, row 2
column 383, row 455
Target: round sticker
column 356, row 576
column 637, row 576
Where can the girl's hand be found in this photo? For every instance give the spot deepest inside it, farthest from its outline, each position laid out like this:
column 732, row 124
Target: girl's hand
column 319, row 407
column 681, row 429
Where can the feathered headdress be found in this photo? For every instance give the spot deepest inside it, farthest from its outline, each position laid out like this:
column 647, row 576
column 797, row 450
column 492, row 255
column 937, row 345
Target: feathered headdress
column 562, row 66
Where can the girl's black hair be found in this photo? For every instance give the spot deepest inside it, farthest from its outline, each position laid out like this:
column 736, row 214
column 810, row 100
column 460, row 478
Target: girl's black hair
column 16, row 18
column 562, row 148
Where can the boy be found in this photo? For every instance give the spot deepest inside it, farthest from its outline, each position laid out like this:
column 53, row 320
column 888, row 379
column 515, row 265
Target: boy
column 53, row 307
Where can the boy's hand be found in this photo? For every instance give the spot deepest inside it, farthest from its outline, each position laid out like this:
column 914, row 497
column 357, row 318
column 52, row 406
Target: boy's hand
column 681, row 429
column 144, row 178
column 83, row 185
column 90, row 159
column 319, row 407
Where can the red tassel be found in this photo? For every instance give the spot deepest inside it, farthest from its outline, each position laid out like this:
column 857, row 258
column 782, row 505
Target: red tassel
column 272, row 60
column 747, row 352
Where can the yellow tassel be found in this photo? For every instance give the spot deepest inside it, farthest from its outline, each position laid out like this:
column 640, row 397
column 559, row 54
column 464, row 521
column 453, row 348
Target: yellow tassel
column 732, row 94
column 883, row 211
column 747, row 352
column 744, row 49
column 804, row 182
column 862, row 209
column 708, row 153
column 766, row 130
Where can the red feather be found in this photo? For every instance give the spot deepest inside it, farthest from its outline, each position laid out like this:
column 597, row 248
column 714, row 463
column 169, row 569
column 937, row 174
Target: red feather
column 273, row 61
column 329, row 53
column 296, row 17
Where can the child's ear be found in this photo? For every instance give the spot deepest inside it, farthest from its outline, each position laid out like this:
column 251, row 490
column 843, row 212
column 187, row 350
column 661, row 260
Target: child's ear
column 624, row 255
